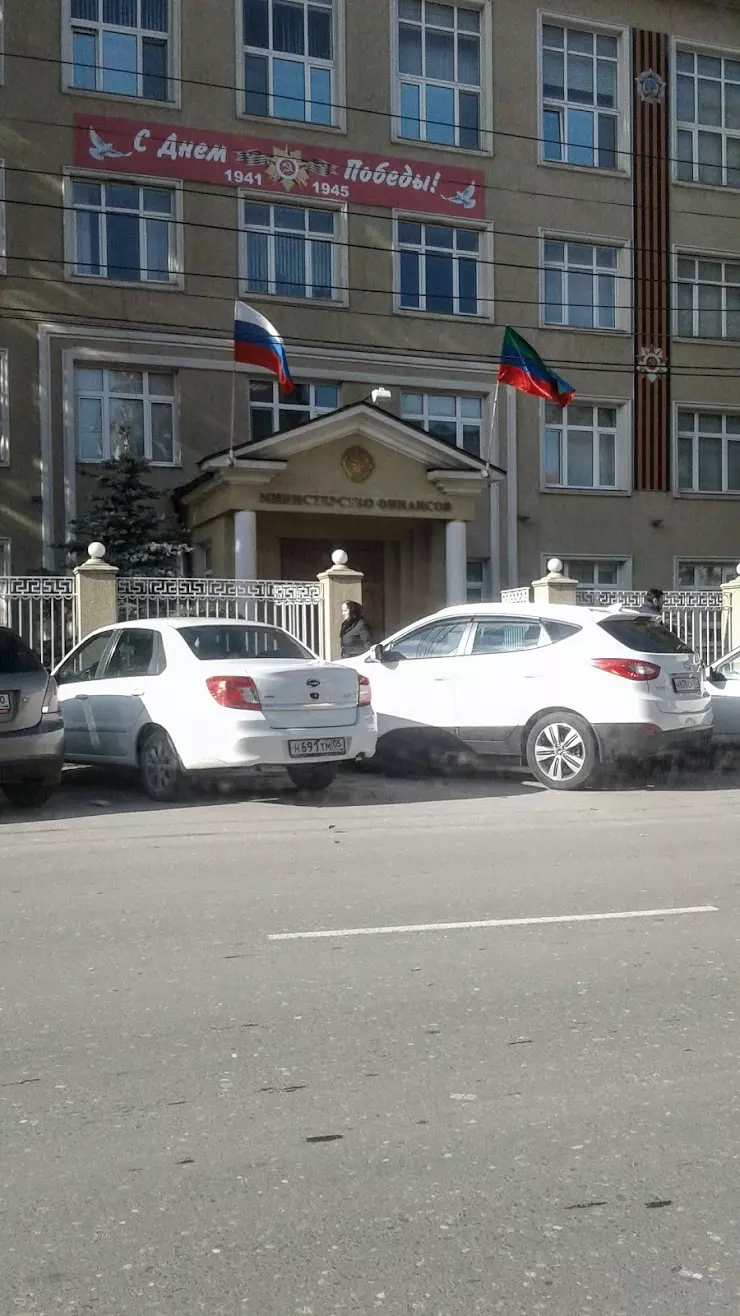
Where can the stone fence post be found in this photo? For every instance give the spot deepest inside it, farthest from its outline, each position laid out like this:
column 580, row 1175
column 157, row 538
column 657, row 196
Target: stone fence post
column 95, row 593
column 731, row 611
column 340, row 584
column 555, row 587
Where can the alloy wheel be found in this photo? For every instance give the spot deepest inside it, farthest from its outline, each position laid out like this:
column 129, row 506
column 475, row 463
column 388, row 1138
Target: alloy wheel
column 560, row 751
column 160, row 767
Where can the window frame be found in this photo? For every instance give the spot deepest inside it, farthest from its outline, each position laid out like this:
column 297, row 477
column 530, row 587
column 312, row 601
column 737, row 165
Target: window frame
column 177, row 256
column 696, row 409
column 484, row 264
column 3, row 211
column 340, row 249
column 459, row 420
column 4, row 407
column 623, row 563
column 690, row 47
column 174, row 62
column 622, row 453
column 706, row 560
column 6, row 559
column 622, row 277
column 146, row 370
column 279, row 403
column 697, row 254
column 624, row 92
column 339, row 81
column 486, row 89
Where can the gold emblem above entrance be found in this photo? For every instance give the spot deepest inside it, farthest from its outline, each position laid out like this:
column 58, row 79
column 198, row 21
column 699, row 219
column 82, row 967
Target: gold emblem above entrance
column 357, row 464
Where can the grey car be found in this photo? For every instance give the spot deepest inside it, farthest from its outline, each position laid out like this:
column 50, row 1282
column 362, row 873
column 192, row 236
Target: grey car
column 31, row 727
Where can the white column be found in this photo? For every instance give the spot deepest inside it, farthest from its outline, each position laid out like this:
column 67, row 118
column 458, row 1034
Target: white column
column 456, row 550
column 245, row 545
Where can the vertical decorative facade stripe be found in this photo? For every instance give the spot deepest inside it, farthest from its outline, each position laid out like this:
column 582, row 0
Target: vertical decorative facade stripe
column 652, row 261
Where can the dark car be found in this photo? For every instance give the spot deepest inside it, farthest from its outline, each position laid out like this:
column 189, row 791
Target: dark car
column 31, row 727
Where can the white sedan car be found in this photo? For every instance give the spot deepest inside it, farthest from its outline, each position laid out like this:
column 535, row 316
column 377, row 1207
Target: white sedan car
column 183, row 697
column 559, row 688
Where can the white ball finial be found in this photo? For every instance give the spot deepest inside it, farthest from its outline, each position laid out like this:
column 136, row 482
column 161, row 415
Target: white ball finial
column 738, row 568
column 96, row 551
column 339, row 557
column 555, row 566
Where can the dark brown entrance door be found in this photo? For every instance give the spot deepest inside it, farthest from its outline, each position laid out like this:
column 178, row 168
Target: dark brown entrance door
column 303, row 559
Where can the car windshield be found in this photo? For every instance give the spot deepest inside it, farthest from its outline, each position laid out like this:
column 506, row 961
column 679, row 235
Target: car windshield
column 231, row 643
column 644, row 635
column 16, row 659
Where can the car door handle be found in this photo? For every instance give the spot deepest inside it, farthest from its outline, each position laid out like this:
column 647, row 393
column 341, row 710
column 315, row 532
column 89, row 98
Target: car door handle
column 137, row 694
column 440, row 678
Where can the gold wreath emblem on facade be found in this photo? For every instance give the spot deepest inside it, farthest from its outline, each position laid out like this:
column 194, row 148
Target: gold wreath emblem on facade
column 357, row 465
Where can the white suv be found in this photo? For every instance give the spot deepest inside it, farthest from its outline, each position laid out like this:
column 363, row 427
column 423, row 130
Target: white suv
column 560, row 688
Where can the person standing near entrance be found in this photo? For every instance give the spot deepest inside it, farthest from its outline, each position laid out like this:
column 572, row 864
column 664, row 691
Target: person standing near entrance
column 355, row 636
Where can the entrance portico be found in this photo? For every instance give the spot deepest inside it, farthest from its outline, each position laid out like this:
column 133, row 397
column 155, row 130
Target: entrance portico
column 397, row 499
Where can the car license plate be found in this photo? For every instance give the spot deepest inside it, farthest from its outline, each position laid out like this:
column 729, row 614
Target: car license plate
column 316, row 749
column 4, row 704
column 686, row 685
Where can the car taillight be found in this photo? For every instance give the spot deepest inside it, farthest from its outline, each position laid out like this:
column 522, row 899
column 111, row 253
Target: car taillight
column 234, row 692
column 51, row 698
column 365, row 694
column 632, row 669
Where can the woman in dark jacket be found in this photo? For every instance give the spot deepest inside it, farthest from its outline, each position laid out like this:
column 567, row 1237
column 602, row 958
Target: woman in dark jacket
column 355, row 637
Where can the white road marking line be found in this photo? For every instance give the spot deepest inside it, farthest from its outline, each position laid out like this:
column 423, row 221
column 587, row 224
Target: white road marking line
column 492, row 923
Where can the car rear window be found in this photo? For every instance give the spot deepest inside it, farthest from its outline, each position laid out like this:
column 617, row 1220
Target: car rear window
column 230, row 643
column 644, row 635
column 15, row 656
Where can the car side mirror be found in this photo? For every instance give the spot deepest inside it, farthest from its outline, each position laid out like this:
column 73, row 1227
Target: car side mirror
column 379, row 653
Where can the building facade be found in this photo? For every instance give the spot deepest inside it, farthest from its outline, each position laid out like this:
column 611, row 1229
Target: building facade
column 391, row 183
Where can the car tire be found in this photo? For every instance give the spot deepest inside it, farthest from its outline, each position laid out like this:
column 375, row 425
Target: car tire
column 562, row 752
column 29, row 794
column 160, row 768
column 317, row 777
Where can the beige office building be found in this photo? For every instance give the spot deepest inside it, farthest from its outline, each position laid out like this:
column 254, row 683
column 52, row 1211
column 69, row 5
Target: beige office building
column 390, row 182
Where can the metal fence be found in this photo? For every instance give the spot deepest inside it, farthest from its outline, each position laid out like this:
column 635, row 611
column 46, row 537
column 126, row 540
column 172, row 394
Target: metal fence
column 43, row 610
column 698, row 617
column 296, row 606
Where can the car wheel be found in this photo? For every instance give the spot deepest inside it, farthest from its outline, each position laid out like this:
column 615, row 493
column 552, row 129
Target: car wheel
column 561, row 751
column 160, row 768
column 317, row 777
column 29, row 794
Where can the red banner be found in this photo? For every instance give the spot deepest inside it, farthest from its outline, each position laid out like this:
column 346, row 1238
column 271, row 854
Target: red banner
column 266, row 165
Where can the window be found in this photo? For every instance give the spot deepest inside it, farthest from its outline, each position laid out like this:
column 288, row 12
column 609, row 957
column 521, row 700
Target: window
column 602, row 571
column 708, row 298
column 708, row 452
column 585, row 285
column 507, row 634
column 16, row 659
column 290, row 251
column 580, row 99
column 84, row 663
column 136, row 653
column 476, row 580
column 707, row 119
column 123, row 231
column 712, row 574
column 4, row 557
column 454, row 420
column 439, row 639
column 4, row 411
column 228, row 643
column 439, row 65
column 120, row 46
column 289, row 59
column 271, row 413
column 439, row 269
column 125, row 411
column 644, row 635
column 581, row 449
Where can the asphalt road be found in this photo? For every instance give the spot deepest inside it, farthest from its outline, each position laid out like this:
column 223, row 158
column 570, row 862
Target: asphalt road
column 544, row 1117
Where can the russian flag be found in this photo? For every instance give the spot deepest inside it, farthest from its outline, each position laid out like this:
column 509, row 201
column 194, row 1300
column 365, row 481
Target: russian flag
column 258, row 343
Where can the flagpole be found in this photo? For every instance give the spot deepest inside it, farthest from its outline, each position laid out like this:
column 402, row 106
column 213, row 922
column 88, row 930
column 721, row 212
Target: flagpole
column 232, row 426
column 494, row 410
